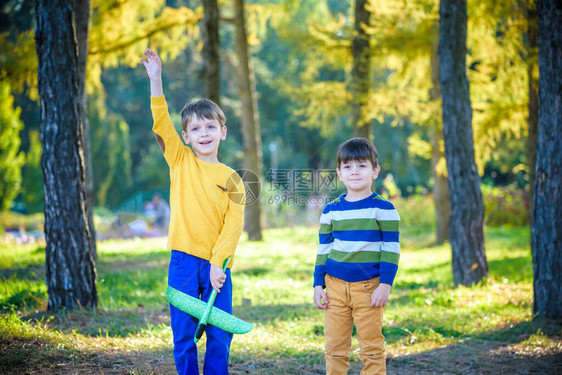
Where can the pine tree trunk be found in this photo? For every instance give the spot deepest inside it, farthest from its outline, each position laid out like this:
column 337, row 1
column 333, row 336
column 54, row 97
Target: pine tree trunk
column 547, row 213
column 360, row 72
column 211, row 45
column 466, row 227
column 250, row 125
column 70, row 267
column 440, row 187
column 81, row 9
column 533, row 120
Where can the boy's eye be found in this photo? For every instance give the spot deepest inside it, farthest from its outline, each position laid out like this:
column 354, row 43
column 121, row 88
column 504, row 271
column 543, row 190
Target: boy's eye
column 194, row 129
column 346, row 167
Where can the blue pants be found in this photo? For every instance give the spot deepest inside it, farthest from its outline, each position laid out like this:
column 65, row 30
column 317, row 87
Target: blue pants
column 190, row 275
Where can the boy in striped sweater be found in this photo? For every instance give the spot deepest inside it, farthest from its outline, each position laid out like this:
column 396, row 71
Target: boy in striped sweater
column 357, row 261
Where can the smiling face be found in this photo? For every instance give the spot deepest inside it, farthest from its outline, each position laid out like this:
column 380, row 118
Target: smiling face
column 357, row 175
column 204, row 135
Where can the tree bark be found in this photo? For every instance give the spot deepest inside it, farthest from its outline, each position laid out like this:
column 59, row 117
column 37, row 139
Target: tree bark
column 533, row 120
column 466, row 226
column 81, row 9
column 70, row 267
column 360, row 72
column 250, row 125
column 211, row 45
column 547, row 212
column 440, row 187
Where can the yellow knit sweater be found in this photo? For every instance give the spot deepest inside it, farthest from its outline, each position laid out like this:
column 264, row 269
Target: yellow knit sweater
column 206, row 199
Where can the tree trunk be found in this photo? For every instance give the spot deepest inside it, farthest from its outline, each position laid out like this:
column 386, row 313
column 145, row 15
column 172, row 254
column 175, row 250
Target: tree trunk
column 547, row 213
column 250, row 125
column 360, row 72
column 532, row 73
column 81, row 9
column 70, row 267
column 466, row 227
column 440, row 187
column 211, row 45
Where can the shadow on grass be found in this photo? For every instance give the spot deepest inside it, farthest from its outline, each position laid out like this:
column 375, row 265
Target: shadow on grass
column 514, row 269
column 103, row 324
column 30, row 272
column 264, row 314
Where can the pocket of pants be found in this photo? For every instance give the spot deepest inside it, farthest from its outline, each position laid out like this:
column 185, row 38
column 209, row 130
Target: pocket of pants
column 175, row 258
column 371, row 285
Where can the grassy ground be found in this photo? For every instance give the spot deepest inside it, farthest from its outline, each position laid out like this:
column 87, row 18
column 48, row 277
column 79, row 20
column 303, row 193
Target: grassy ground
column 430, row 326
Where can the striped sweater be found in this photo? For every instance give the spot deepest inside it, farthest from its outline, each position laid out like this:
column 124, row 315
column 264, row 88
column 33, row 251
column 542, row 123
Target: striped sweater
column 358, row 240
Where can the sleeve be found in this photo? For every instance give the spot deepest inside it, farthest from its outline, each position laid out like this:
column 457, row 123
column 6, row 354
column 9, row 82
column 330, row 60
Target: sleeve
column 325, row 242
column 164, row 128
column 225, row 246
column 389, row 222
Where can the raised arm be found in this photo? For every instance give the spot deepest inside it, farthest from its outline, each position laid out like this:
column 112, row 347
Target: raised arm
column 163, row 129
column 153, row 67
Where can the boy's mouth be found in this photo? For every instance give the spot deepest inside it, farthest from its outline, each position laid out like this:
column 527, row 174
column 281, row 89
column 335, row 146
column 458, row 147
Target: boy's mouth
column 206, row 142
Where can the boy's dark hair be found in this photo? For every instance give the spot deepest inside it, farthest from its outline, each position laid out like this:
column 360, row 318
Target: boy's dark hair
column 202, row 108
column 359, row 149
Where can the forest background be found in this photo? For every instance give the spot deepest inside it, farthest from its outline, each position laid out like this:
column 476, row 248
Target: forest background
column 302, row 62
column 295, row 80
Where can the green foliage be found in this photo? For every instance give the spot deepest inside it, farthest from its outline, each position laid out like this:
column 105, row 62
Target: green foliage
column 111, row 150
column 302, row 58
column 121, row 30
column 18, row 61
column 505, row 206
column 11, row 159
column 32, row 192
column 417, row 212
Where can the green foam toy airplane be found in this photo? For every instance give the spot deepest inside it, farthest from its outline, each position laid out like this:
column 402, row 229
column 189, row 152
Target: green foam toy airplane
column 206, row 313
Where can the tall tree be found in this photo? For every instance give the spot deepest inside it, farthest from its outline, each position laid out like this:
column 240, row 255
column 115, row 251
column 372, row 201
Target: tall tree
column 211, row 45
column 533, row 106
column 547, row 213
column 360, row 50
column 253, row 160
column 70, row 267
column 440, row 188
column 81, row 10
column 466, row 227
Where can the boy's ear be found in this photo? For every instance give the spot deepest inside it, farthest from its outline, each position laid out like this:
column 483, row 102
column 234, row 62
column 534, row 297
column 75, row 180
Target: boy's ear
column 376, row 171
column 223, row 133
column 185, row 137
column 339, row 174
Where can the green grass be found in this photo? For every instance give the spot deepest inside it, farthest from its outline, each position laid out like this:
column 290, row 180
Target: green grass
column 273, row 289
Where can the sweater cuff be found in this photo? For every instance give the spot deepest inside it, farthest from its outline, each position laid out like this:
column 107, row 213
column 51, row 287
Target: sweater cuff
column 319, row 275
column 158, row 101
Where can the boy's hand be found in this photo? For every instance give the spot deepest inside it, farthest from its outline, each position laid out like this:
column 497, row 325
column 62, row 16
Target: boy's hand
column 380, row 295
column 217, row 277
column 152, row 64
column 153, row 67
column 320, row 298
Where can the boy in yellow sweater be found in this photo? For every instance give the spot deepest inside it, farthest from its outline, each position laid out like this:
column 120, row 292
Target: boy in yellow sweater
column 206, row 219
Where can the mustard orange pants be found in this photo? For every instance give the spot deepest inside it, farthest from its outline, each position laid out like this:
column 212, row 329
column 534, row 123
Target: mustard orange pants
column 350, row 302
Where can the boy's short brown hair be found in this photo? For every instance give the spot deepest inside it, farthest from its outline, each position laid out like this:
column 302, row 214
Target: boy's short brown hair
column 202, row 108
column 359, row 149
